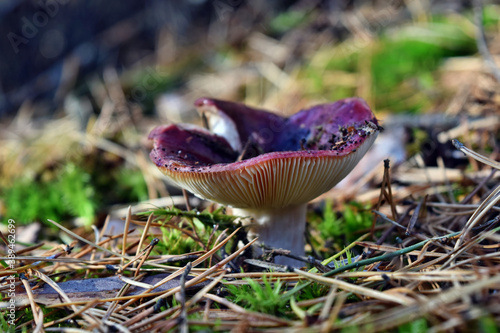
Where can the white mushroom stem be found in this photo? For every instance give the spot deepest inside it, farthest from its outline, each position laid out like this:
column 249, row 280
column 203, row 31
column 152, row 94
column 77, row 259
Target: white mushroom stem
column 281, row 228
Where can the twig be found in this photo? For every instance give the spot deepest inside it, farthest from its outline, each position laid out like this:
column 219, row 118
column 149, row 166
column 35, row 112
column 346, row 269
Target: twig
column 267, row 265
column 385, row 192
column 186, row 198
column 148, row 250
column 182, row 294
column 385, row 218
column 125, row 233
column 91, row 319
column 414, row 217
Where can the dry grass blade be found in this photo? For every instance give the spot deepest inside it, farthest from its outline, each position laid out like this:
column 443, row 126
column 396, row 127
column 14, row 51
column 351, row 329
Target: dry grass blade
column 37, row 313
column 144, row 233
column 91, row 248
column 72, row 234
column 199, row 295
column 414, row 217
column 437, row 276
column 325, row 312
column 478, row 157
column 248, row 314
column 479, row 213
column 135, row 283
column 82, row 309
column 195, row 263
column 177, row 289
column 468, row 245
column 333, row 315
column 196, row 279
column 67, row 330
column 488, row 203
column 92, row 320
column 180, row 316
column 397, row 316
column 399, row 299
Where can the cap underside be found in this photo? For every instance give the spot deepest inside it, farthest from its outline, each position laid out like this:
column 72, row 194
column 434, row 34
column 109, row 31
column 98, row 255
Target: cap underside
column 283, row 179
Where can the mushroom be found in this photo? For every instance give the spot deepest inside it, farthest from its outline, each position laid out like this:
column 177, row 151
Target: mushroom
column 265, row 166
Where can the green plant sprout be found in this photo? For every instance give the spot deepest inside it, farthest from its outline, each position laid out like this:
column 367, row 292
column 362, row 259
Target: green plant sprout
column 266, row 297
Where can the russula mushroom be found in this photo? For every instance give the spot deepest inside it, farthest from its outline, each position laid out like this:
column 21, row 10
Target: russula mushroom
column 266, row 166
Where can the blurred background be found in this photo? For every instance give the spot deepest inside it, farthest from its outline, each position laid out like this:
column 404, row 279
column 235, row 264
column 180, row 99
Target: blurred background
column 83, row 82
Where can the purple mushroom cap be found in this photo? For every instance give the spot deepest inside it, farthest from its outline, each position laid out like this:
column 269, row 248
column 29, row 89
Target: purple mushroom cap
column 258, row 159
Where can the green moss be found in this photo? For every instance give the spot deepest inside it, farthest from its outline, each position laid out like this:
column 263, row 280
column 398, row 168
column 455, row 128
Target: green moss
column 266, row 297
column 174, row 243
column 491, row 16
column 312, row 291
column 400, row 67
column 131, row 185
column 77, row 193
column 416, row 326
column 403, row 65
column 354, row 218
column 69, row 193
column 487, row 324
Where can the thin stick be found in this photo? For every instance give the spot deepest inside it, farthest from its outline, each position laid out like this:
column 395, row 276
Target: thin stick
column 414, row 217
column 380, row 198
column 385, row 218
column 478, row 157
column 125, row 233
column 183, row 315
column 186, row 198
column 144, row 233
column 146, row 255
